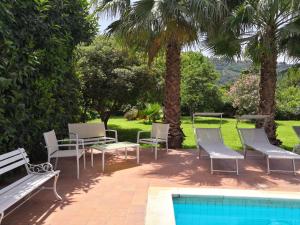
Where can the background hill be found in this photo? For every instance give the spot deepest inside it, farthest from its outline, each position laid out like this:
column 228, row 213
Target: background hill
column 231, row 70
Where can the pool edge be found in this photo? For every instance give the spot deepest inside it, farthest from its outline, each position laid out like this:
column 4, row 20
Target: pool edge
column 160, row 205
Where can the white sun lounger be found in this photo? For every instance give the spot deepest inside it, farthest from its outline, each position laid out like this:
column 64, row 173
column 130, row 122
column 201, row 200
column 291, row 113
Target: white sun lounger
column 210, row 140
column 256, row 139
column 297, row 131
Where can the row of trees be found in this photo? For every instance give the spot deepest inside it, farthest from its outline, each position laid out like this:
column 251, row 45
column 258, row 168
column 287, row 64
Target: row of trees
column 267, row 27
column 38, row 85
column 113, row 80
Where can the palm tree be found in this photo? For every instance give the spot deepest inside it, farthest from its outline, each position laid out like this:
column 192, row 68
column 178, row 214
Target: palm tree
column 169, row 25
column 267, row 28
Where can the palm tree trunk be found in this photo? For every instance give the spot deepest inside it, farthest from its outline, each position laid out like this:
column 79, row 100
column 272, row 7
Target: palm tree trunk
column 267, row 89
column 172, row 111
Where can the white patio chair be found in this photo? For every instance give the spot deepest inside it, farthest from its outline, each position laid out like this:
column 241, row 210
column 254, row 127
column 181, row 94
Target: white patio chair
column 297, row 131
column 72, row 148
column 159, row 135
column 256, row 139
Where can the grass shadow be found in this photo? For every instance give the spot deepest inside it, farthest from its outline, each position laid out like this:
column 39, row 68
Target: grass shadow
column 210, row 121
column 126, row 134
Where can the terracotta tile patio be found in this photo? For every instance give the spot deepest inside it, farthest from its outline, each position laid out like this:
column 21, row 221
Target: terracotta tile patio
column 119, row 196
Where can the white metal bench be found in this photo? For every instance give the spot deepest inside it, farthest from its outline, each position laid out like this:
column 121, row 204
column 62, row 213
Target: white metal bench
column 91, row 134
column 36, row 176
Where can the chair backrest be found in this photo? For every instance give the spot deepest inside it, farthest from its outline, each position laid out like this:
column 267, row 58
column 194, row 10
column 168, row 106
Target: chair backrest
column 87, row 130
column 253, row 136
column 51, row 142
column 12, row 160
column 297, row 130
column 160, row 130
column 208, row 136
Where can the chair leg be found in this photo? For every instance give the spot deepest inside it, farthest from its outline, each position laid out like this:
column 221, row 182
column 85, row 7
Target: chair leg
column 92, row 157
column 294, row 168
column 268, row 165
column 77, row 167
column 237, row 166
column 54, row 188
column 167, row 146
column 56, row 161
column 84, row 161
column 1, row 216
column 155, row 152
column 245, row 153
column 211, row 166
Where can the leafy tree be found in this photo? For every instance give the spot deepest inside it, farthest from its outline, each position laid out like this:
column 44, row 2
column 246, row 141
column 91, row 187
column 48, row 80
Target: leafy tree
column 112, row 79
column 244, row 93
column 39, row 88
column 268, row 28
column 199, row 89
column 288, row 95
column 166, row 25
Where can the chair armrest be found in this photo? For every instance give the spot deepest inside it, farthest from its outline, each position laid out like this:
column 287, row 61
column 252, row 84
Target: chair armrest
column 139, row 134
column 40, row 168
column 113, row 131
column 67, row 145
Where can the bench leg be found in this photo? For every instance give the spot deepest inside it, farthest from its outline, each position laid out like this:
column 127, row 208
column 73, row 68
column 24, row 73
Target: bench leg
column 211, row 166
column 155, row 153
column 54, row 188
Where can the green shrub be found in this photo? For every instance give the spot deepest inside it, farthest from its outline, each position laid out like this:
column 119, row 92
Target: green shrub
column 152, row 112
column 132, row 114
column 38, row 86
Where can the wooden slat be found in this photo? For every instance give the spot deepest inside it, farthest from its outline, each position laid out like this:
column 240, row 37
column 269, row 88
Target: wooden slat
column 23, row 188
column 12, row 153
column 13, row 166
column 11, row 160
column 16, row 183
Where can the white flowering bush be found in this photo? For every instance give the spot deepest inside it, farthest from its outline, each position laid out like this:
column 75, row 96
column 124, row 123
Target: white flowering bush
column 244, row 94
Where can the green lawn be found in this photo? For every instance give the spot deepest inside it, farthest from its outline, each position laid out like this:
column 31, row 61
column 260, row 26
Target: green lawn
column 127, row 130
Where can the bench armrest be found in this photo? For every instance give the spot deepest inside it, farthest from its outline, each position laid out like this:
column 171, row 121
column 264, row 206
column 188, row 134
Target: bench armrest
column 113, row 131
column 71, row 141
column 40, row 168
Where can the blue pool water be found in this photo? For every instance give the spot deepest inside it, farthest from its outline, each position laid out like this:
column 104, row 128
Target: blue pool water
column 217, row 210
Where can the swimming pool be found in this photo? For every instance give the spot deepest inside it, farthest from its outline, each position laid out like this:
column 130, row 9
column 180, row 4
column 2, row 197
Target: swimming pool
column 226, row 210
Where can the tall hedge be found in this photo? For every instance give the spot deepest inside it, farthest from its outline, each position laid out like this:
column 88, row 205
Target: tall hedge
column 38, row 85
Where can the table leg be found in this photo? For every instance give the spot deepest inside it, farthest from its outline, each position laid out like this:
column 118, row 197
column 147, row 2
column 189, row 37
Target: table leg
column 125, row 153
column 138, row 154
column 103, row 159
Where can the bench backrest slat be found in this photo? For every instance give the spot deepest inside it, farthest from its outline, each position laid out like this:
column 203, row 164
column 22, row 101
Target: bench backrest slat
column 12, row 160
column 87, row 130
